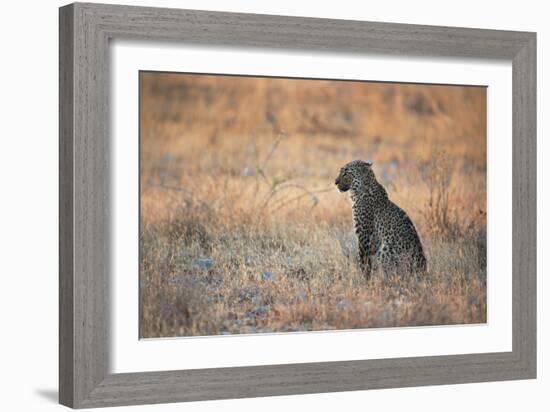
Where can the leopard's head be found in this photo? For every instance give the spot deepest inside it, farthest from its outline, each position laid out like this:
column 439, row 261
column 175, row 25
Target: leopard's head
column 354, row 175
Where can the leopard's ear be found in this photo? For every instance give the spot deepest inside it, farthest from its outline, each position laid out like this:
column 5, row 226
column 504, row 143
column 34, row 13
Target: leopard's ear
column 369, row 162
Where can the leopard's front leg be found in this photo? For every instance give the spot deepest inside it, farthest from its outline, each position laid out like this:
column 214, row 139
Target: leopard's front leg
column 367, row 248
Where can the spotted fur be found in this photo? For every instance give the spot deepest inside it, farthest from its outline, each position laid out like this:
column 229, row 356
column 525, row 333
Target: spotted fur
column 387, row 236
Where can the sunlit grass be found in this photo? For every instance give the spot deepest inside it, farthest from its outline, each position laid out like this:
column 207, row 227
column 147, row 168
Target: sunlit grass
column 242, row 230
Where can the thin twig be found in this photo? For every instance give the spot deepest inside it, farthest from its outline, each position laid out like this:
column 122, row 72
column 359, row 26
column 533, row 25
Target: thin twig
column 277, row 189
column 274, row 146
column 296, row 198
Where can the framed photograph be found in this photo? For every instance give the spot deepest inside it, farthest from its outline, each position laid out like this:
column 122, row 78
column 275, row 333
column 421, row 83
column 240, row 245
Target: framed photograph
column 256, row 205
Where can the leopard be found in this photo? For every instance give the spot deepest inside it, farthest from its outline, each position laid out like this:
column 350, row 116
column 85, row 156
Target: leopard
column 388, row 240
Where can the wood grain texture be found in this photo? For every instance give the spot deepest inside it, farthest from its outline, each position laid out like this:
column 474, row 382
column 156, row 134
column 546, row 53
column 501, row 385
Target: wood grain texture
column 524, row 205
column 66, row 229
column 83, row 344
column 85, row 31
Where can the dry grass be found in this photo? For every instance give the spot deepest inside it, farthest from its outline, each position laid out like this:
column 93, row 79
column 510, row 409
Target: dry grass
column 242, row 229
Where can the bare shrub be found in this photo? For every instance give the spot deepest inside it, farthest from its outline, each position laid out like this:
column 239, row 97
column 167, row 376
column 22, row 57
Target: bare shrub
column 440, row 214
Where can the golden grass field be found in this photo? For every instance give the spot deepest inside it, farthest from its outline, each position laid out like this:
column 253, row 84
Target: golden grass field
column 242, row 229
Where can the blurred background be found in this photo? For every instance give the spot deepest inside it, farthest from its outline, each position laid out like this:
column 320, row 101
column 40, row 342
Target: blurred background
column 243, row 231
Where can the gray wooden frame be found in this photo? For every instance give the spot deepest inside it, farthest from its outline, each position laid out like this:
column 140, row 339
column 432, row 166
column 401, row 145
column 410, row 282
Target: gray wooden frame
column 85, row 31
